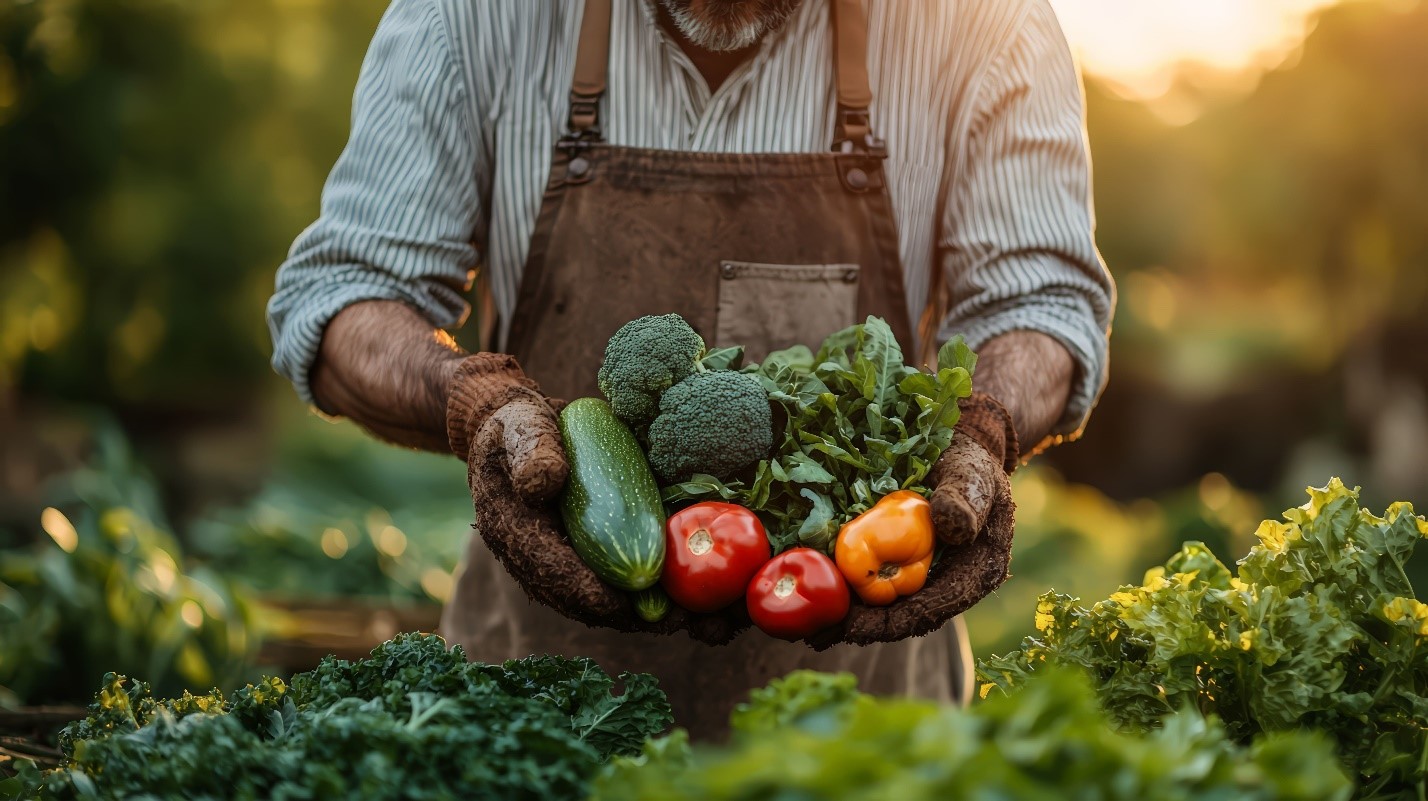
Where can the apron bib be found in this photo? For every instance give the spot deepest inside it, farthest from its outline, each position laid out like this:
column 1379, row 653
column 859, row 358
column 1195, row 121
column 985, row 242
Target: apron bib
column 765, row 251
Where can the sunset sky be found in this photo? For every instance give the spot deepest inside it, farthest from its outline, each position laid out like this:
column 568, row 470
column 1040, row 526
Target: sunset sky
column 1137, row 43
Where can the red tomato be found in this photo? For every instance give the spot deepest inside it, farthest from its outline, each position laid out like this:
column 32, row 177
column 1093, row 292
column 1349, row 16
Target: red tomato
column 711, row 551
column 798, row 594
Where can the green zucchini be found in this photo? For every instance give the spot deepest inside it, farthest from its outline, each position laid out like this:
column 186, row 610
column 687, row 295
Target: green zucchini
column 652, row 604
column 611, row 504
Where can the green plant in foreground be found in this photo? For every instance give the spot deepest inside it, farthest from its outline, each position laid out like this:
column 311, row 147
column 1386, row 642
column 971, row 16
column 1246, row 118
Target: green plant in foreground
column 413, row 721
column 812, row 736
column 1319, row 628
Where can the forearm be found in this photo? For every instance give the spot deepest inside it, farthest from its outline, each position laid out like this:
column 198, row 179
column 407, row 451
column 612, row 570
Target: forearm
column 1031, row 374
column 382, row 365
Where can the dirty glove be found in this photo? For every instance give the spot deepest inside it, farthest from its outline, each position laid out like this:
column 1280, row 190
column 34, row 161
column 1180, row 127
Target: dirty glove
column 515, row 468
column 489, row 390
column 973, row 514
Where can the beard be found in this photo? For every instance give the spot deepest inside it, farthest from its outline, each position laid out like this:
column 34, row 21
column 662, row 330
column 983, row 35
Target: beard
column 728, row 25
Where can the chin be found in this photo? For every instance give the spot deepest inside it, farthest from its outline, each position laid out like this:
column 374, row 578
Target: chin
column 725, row 25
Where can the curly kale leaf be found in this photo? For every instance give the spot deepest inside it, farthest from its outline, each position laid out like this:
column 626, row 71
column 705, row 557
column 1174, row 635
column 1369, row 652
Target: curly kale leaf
column 612, row 724
column 412, row 721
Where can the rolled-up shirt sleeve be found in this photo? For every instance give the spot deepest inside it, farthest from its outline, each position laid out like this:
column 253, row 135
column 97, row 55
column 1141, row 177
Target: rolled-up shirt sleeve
column 402, row 205
column 1018, row 241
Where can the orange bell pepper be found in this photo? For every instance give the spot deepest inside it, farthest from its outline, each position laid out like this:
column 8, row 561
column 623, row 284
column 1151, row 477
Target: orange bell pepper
column 885, row 552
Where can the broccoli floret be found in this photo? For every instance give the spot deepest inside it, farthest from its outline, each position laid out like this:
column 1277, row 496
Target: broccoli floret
column 716, row 423
column 643, row 359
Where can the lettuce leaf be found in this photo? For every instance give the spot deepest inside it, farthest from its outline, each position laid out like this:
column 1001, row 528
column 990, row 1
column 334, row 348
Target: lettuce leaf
column 814, row 736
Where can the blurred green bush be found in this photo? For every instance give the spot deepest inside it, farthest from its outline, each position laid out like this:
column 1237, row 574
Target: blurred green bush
column 110, row 589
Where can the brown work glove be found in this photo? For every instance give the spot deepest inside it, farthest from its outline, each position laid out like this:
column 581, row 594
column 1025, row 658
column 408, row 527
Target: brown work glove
column 973, row 513
column 516, row 467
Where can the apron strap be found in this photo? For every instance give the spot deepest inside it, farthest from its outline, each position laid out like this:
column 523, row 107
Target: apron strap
column 853, row 130
column 592, row 63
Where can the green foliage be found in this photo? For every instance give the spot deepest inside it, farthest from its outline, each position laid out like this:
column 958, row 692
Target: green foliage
column 807, row 737
column 159, row 157
column 110, row 589
column 858, row 424
column 713, row 423
column 643, row 359
column 1075, row 538
column 343, row 515
column 1319, row 628
column 413, row 721
column 787, row 700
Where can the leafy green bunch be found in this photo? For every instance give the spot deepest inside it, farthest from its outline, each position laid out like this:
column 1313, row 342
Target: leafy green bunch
column 1318, row 628
column 857, row 424
column 814, row 736
column 413, row 721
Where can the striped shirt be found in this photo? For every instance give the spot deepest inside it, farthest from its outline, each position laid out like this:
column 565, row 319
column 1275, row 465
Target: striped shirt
column 459, row 103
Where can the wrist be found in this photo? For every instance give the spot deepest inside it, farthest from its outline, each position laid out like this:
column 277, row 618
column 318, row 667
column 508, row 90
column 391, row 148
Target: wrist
column 478, row 385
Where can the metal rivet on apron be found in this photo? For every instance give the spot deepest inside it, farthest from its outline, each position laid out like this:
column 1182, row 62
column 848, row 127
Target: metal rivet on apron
column 577, row 168
column 857, row 178
column 850, row 277
column 727, row 270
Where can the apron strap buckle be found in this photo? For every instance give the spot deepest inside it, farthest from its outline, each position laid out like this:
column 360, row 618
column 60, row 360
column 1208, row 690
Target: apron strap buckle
column 854, row 133
column 584, row 115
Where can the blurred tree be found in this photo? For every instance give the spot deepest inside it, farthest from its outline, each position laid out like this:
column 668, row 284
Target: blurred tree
column 1272, row 256
column 158, row 157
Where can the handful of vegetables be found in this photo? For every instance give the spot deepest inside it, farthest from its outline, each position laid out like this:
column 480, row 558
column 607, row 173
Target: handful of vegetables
column 786, row 485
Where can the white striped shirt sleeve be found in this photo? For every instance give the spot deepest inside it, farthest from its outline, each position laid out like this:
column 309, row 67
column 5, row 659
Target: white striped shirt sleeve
column 1018, row 235
column 401, row 205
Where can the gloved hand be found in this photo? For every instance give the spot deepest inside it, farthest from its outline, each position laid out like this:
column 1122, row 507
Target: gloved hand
column 516, row 466
column 973, row 513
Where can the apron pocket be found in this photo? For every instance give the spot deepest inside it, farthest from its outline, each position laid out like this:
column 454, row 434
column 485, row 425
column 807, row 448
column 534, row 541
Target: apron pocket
column 766, row 307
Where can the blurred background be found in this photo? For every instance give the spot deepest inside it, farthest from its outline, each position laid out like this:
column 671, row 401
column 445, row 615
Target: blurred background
column 168, row 508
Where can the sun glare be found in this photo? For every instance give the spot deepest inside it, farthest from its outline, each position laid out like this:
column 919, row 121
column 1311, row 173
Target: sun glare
column 1138, row 45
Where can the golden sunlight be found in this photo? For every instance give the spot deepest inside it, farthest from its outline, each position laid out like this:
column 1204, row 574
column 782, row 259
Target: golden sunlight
column 1138, row 45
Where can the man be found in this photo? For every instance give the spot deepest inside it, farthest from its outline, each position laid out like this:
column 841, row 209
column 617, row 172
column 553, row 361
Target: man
column 772, row 170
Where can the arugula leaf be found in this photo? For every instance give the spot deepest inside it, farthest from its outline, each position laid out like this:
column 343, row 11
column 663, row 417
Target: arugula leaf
column 955, row 353
column 723, row 358
column 820, row 528
column 699, row 487
column 802, row 469
column 795, row 359
column 882, row 353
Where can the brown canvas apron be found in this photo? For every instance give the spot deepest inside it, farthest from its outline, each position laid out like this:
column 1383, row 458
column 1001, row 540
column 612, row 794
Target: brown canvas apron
column 760, row 250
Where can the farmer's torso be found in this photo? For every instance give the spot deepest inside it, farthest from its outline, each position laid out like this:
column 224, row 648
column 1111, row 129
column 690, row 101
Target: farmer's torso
column 924, row 62
column 764, row 250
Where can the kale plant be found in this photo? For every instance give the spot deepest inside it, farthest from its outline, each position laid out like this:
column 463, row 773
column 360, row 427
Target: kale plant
column 413, row 721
